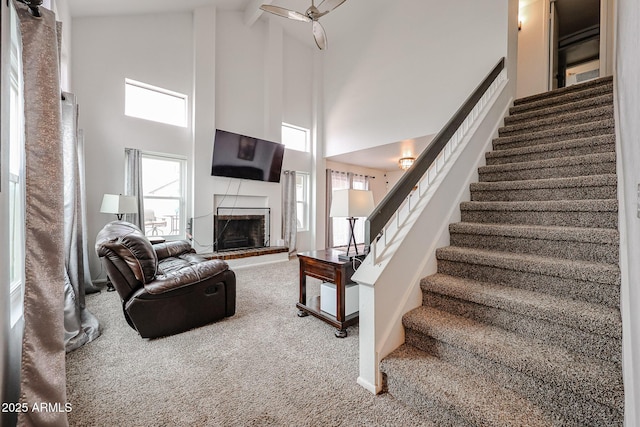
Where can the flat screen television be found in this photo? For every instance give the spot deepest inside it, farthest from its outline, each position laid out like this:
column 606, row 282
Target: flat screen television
column 240, row 156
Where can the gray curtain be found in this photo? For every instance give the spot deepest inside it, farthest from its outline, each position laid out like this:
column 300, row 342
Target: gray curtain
column 133, row 184
column 80, row 325
column 289, row 212
column 42, row 376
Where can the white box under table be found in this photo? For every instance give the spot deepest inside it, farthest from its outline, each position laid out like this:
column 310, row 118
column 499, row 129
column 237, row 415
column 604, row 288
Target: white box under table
column 328, row 300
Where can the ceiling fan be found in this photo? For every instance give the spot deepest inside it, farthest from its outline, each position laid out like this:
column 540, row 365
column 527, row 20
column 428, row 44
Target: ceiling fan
column 311, row 15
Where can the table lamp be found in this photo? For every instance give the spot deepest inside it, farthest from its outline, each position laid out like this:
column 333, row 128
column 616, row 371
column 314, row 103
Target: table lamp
column 351, row 204
column 119, row 205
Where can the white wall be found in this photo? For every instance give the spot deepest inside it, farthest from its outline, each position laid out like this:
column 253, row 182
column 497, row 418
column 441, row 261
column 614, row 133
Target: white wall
column 403, row 70
column 253, row 69
column 627, row 103
column 154, row 49
column 533, row 49
column 237, row 78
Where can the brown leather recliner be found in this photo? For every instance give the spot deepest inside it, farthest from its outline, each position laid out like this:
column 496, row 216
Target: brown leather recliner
column 165, row 288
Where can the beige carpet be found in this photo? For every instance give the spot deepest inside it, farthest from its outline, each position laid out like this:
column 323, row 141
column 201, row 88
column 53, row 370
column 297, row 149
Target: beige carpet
column 521, row 324
column 263, row 366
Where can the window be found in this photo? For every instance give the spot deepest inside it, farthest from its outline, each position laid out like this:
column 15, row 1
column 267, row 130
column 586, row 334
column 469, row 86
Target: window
column 16, row 173
column 295, row 137
column 163, row 185
column 153, row 103
column 302, row 200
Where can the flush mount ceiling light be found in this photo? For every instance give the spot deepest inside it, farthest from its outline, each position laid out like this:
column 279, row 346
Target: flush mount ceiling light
column 406, row 162
column 312, row 15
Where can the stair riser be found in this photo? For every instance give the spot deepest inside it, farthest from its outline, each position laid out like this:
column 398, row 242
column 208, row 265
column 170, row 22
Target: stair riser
column 561, row 134
column 576, row 410
column 573, row 107
column 521, row 106
column 581, row 290
column 551, row 154
column 404, row 392
column 580, row 251
column 579, row 341
column 570, row 119
column 568, row 171
column 561, row 219
column 570, row 193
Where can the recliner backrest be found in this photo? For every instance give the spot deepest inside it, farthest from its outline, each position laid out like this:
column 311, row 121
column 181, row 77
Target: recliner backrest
column 127, row 247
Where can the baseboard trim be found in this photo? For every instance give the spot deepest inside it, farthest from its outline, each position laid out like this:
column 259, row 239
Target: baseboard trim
column 370, row 387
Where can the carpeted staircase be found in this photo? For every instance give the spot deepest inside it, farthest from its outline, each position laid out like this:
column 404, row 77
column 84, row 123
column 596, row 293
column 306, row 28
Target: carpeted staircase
column 521, row 325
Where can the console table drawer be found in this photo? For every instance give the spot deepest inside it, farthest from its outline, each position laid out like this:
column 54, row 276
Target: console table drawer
column 320, row 271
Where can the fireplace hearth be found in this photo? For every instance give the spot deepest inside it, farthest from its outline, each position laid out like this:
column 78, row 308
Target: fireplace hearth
column 240, row 228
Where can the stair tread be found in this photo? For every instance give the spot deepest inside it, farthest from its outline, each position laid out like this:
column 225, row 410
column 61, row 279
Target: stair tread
column 580, row 104
column 608, row 274
column 585, row 316
column 596, row 113
column 591, row 378
column 554, row 146
column 550, row 163
column 558, row 133
column 541, row 232
column 603, row 81
column 463, row 392
column 564, row 182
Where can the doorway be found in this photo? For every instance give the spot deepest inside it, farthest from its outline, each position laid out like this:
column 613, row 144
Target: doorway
column 574, row 41
column 563, row 42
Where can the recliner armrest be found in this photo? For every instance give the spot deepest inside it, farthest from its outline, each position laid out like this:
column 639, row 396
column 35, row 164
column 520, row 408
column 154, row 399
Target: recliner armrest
column 186, row 276
column 173, row 248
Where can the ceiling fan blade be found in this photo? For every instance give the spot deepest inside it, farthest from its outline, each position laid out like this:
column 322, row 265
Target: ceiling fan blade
column 328, row 5
column 286, row 13
column 319, row 35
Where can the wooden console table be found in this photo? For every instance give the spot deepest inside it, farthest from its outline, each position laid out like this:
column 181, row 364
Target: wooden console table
column 325, row 265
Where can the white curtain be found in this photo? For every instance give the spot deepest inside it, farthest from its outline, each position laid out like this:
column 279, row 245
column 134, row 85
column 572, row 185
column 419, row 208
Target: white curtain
column 289, row 211
column 133, row 184
column 80, row 325
column 338, row 228
column 627, row 96
column 42, row 375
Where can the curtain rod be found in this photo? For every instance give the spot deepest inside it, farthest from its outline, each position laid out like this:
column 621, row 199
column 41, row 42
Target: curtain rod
column 366, row 176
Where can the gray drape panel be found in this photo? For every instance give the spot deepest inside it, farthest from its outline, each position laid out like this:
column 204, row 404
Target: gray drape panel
column 289, row 212
column 80, row 325
column 42, row 375
column 133, row 184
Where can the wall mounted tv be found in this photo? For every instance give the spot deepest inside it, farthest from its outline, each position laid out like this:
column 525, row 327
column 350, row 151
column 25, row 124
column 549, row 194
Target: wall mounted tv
column 240, row 156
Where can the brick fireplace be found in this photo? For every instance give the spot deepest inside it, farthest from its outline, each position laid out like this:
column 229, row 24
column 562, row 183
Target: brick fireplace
column 246, row 229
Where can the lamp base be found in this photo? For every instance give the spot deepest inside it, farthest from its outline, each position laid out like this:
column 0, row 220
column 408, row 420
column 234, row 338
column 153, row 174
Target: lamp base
column 346, row 257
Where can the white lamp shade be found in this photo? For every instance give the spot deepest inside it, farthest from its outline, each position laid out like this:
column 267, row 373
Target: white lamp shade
column 118, row 204
column 351, row 203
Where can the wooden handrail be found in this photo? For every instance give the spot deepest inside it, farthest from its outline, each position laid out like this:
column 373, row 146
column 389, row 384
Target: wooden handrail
column 394, row 199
